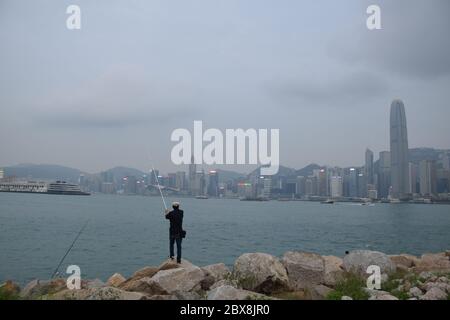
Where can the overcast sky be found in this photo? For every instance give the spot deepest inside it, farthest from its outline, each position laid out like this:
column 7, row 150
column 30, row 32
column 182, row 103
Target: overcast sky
column 112, row 93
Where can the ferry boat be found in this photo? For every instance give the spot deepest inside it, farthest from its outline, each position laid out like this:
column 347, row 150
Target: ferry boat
column 58, row 187
column 62, row 187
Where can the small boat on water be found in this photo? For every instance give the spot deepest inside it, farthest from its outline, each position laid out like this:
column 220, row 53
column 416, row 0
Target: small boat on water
column 328, row 201
column 201, row 197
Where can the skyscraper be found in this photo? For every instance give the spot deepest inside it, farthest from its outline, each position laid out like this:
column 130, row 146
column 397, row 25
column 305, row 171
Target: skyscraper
column 336, row 185
column 428, row 178
column 368, row 168
column 192, row 175
column 399, row 150
column 384, row 174
column 213, row 183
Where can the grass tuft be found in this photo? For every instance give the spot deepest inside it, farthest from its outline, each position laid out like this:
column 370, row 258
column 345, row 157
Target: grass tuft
column 351, row 286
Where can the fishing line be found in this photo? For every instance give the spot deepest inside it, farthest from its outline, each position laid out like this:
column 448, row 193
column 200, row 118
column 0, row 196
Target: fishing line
column 70, row 248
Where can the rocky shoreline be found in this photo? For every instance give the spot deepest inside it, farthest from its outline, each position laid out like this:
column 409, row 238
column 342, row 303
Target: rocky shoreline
column 259, row 276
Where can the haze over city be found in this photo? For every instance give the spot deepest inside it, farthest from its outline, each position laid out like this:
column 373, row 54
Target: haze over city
column 111, row 93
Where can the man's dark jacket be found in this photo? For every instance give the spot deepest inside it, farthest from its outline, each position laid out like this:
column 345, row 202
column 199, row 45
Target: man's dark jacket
column 176, row 222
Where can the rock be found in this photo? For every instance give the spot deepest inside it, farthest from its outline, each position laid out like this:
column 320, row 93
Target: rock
column 37, row 288
column 115, row 280
column 231, row 293
column 320, row 292
column 346, row 298
column 333, row 271
column 207, row 282
column 357, row 262
column 219, row 271
column 426, row 275
column 224, row 282
column 111, row 293
column 415, row 292
column 145, row 272
column 162, row 297
column 67, row 294
column 181, row 295
column 172, row 264
column 383, row 297
column 437, row 262
column 172, row 281
column 305, row 270
column 260, row 272
column 9, row 290
column 434, row 294
column 91, row 284
column 447, row 253
column 404, row 260
column 441, row 285
column 375, row 294
column 133, row 283
column 143, row 285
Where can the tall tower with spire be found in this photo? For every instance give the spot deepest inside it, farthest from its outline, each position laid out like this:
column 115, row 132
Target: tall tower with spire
column 399, row 150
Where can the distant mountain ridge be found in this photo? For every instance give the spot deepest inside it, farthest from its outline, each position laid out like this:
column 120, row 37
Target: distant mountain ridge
column 57, row 172
column 43, row 172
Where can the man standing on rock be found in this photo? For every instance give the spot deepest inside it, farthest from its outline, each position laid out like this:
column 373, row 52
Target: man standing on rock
column 176, row 232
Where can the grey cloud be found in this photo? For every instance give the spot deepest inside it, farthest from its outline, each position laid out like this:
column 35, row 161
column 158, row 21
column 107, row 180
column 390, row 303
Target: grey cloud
column 414, row 39
column 345, row 90
column 121, row 97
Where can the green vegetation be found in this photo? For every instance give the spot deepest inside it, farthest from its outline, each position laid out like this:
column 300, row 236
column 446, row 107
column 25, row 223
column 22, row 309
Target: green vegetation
column 7, row 294
column 352, row 286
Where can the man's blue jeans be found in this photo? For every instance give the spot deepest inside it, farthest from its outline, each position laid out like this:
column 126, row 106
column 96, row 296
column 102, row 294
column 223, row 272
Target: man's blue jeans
column 176, row 239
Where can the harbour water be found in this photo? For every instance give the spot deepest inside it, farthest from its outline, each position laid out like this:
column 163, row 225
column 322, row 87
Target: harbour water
column 125, row 233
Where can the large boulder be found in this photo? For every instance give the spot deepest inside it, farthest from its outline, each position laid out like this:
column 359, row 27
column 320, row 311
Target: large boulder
column 176, row 280
column 333, row 270
column 111, row 293
column 305, row 270
column 415, row 292
column 218, row 271
column 319, row 292
column 404, row 260
column 172, row 264
column 134, row 283
column 144, row 285
column 145, row 272
column 68, row 294
column 437, row 262
column 357, row 262
column 92, row 284
column 227, row 292
column 38, row 288
column 260, row 272
column 434, row 294
column 115, row 280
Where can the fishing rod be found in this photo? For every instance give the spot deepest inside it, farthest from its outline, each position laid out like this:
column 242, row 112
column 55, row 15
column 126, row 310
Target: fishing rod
column 70, row 248
column 159, row 187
